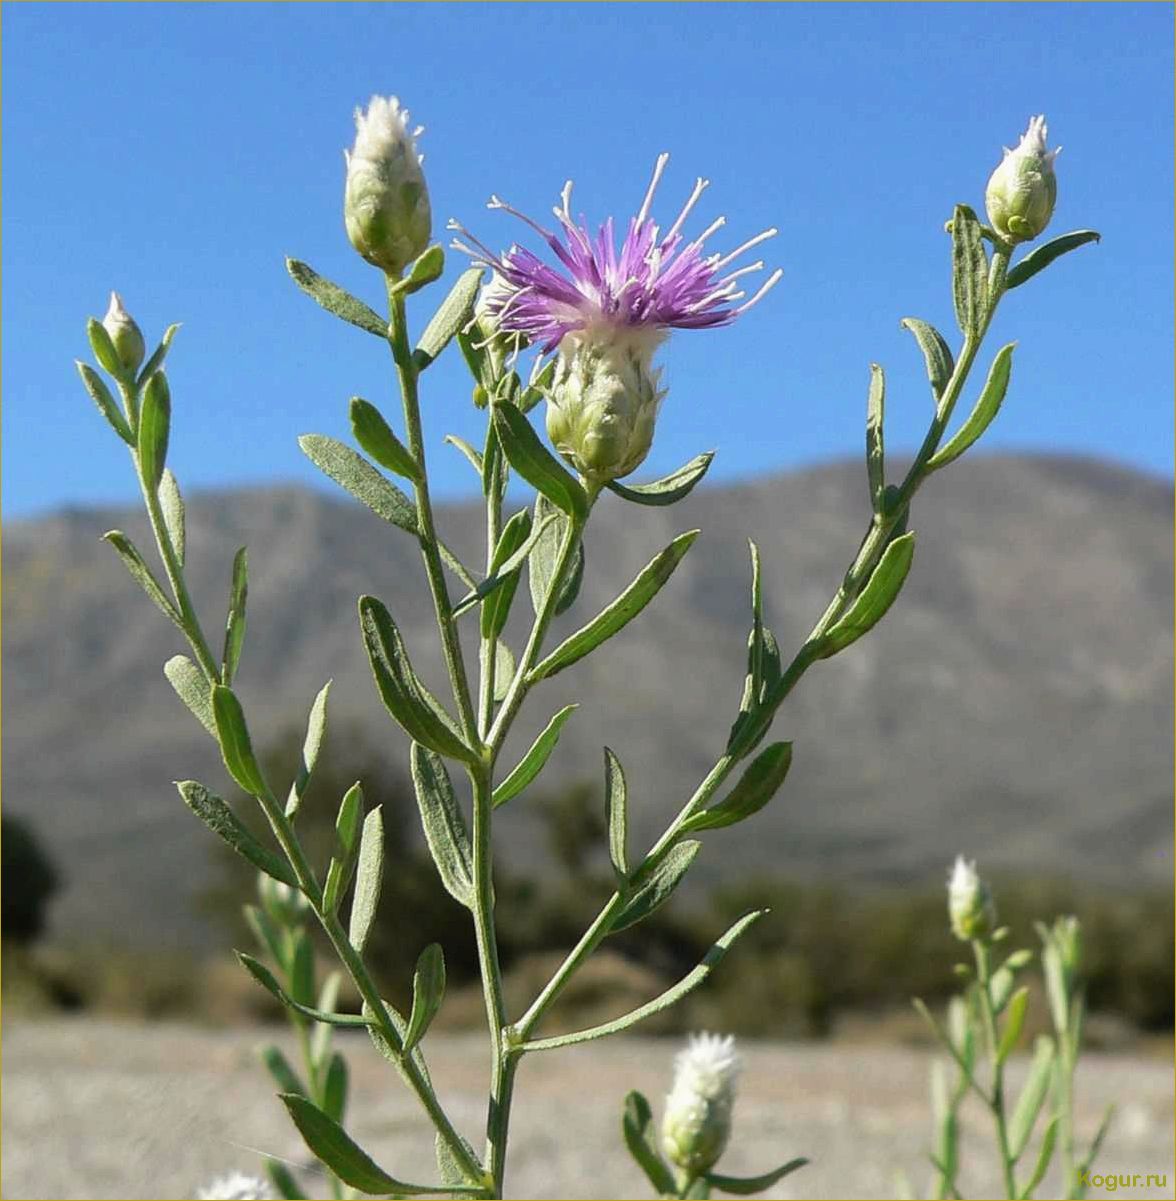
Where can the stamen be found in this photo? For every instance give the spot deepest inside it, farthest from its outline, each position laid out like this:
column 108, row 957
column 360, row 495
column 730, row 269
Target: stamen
column 700, row 186
column 716, row 224
column 756, row 266
column 768, row 285
column 768, row 233
column 660, row 166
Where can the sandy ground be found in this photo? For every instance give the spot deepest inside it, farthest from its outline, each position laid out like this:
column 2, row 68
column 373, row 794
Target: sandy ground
column 98, row 1109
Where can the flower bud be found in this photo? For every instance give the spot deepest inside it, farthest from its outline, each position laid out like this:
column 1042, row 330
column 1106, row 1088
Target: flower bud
column 386, row 203
column 969, row 903
column 604, row 401
column 1021, row 193
column 125, row 335
column 697, row 1121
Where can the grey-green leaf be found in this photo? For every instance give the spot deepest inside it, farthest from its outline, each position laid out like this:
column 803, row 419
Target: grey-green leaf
column 425, row 270
column 137, row 566
column 504, row 568
column 617, row 615
column 282, row 1181
column 172, row 504
column 154, row 363
column 225, row 824
column 154, row 427
column 1014, row 1023
column 670, row 488
column 233, row 736
column 936, row 353
column 278, row 1066
column 474, row 458
column 107, row 406
column 335, row 1088
column 445, row 828
column 536, row 464
column 532, row 762
column 1037, row 260
column 616, row 808
column 653, row 890
column 235, row 621
column 455, row 312
column 369, row 879
column 353, row 473
column 969, row 271
column 504, row 670
column 758, row 784
column 192, row 688
column 335, row 300
column 316, row 729
column 375, row 435
column 636, row 1124
column 1044, row 1155
column 875, row 456
column 428, row 990
column 265, row 978
column 981, row 417
column 875, row 598
column 348, row 824
column 1032, row 1096
column 103, row 349
column 746, row 1186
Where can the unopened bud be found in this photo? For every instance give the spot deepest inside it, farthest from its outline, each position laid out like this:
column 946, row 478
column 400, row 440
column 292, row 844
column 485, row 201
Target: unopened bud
column 969, row 903
column 1021, row 193
column 386, row 203
column 125, row 335
column 697, row 1122
column 604, row 401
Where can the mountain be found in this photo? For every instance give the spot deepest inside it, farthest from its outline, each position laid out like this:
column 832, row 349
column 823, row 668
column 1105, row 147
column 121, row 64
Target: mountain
column 1016, row 704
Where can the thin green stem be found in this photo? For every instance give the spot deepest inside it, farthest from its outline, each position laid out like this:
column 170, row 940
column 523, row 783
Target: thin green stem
column 996, row 1092
column 489, row 646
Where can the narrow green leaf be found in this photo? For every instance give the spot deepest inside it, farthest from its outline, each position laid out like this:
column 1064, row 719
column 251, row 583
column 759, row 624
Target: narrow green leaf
column 455, row 312
column 103, row 349
column 335, row 1088
column 172, row 504
column 981, row 417
column 375, row 435
column 448, row 1168
column 235, row 621
column 637, row 1126
column 269, row 937
column 506, row 572
column 225, row 824
column 616, row 616
column 875, row 457
column 154, row 427
column 1055, row 986
column 404, row 696
column 475, row 459
column 758, row 784
column 192, row 688
column 265, row 978
column 348, row 824
column 134, row 562
column 670, row 488
column 278, row 1066
column 532, row 762
column 328, row 1000
column 875, row 598
column 936, row 353
column 107, row 406
column 504, row 567
column 969, row 271
column 1014, row 1023
column 445, row 829
column 549, row 528
column 154, row 363
column 537, row 386
column 335, row 300
column 671, row 996
column 331, row 1144
column 369, row 878
column 964, row 1064
column 653, row 890
column 1001, row 988
column 1044, row 1155
column 300, row 977
column 1037, row 260
column 504, row 670
column 616, row 808
column 426, row 270
column 763, row 670
column 1032, row 1095
column 746, row 1186
column 536, row 464
column 570, row 589
column 356, row 475
column 428, row 990
column 316, row 729
column 233, row 736
column 1097, row 1142
column 283, row 1182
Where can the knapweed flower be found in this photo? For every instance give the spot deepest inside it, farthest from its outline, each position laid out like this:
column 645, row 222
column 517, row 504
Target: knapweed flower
column 236, row 1187
column 606, row 312
column 969, row 902
column 386, row 203
column 125, row 335
column 697, row 1121
column 1021, row 193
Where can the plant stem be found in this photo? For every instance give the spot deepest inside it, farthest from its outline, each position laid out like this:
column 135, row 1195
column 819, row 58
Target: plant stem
column 488, row 662
column 996, row 1093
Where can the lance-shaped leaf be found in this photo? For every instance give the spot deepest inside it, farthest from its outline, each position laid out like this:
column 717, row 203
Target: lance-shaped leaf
column 1037, row 260
column 474, row 458
column 504, row 568
column 134, row 562
column 375, row 435
column 300, row 973
column 536, row 464
column 425, row 270
column 875, row 598
column 981, row 417
column 265, row 978
column 154, row 363
column 278, row 1066
column 445, row 828
column 875, row 455
column 192, row 688
column 282, row 1181
column 369, row 879
column 652, row 890
column 225, row 824
column 404, row 696
column 670, row 488
column 353, row 473
column 448, row 1167
column 504, row 671
column 428, row 990
column 640, row 1138
column 616, row 808
column 233, row 736
column 671, row 996
column 107, row 406
column 1032, row 1096
column 235, row 621
column 335, row 300
column 506, row 572
column 455, row 312
column 758, row 784
column 550, row 526
column 316, row 729
column 348, row 824
column 616, row 616
column 172, row 504
column 154, row 428
column 1014, row 1023
column 328, row 999
column 531, row 764
column 748, row 1186
column 331, row 1144
column 335, row 1088
column 936, row 353
column 1044, row 1155
column 103, row 349
column 969, row 271
column 763, row 671
column 266, row 931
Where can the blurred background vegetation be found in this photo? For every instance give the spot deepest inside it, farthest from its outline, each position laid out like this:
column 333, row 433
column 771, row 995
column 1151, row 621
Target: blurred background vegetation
column 828, row 960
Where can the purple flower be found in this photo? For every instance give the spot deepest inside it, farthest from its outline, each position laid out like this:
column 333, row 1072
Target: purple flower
column 655, row 282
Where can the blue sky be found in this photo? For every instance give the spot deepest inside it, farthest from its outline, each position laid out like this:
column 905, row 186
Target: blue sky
column 179, row 151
